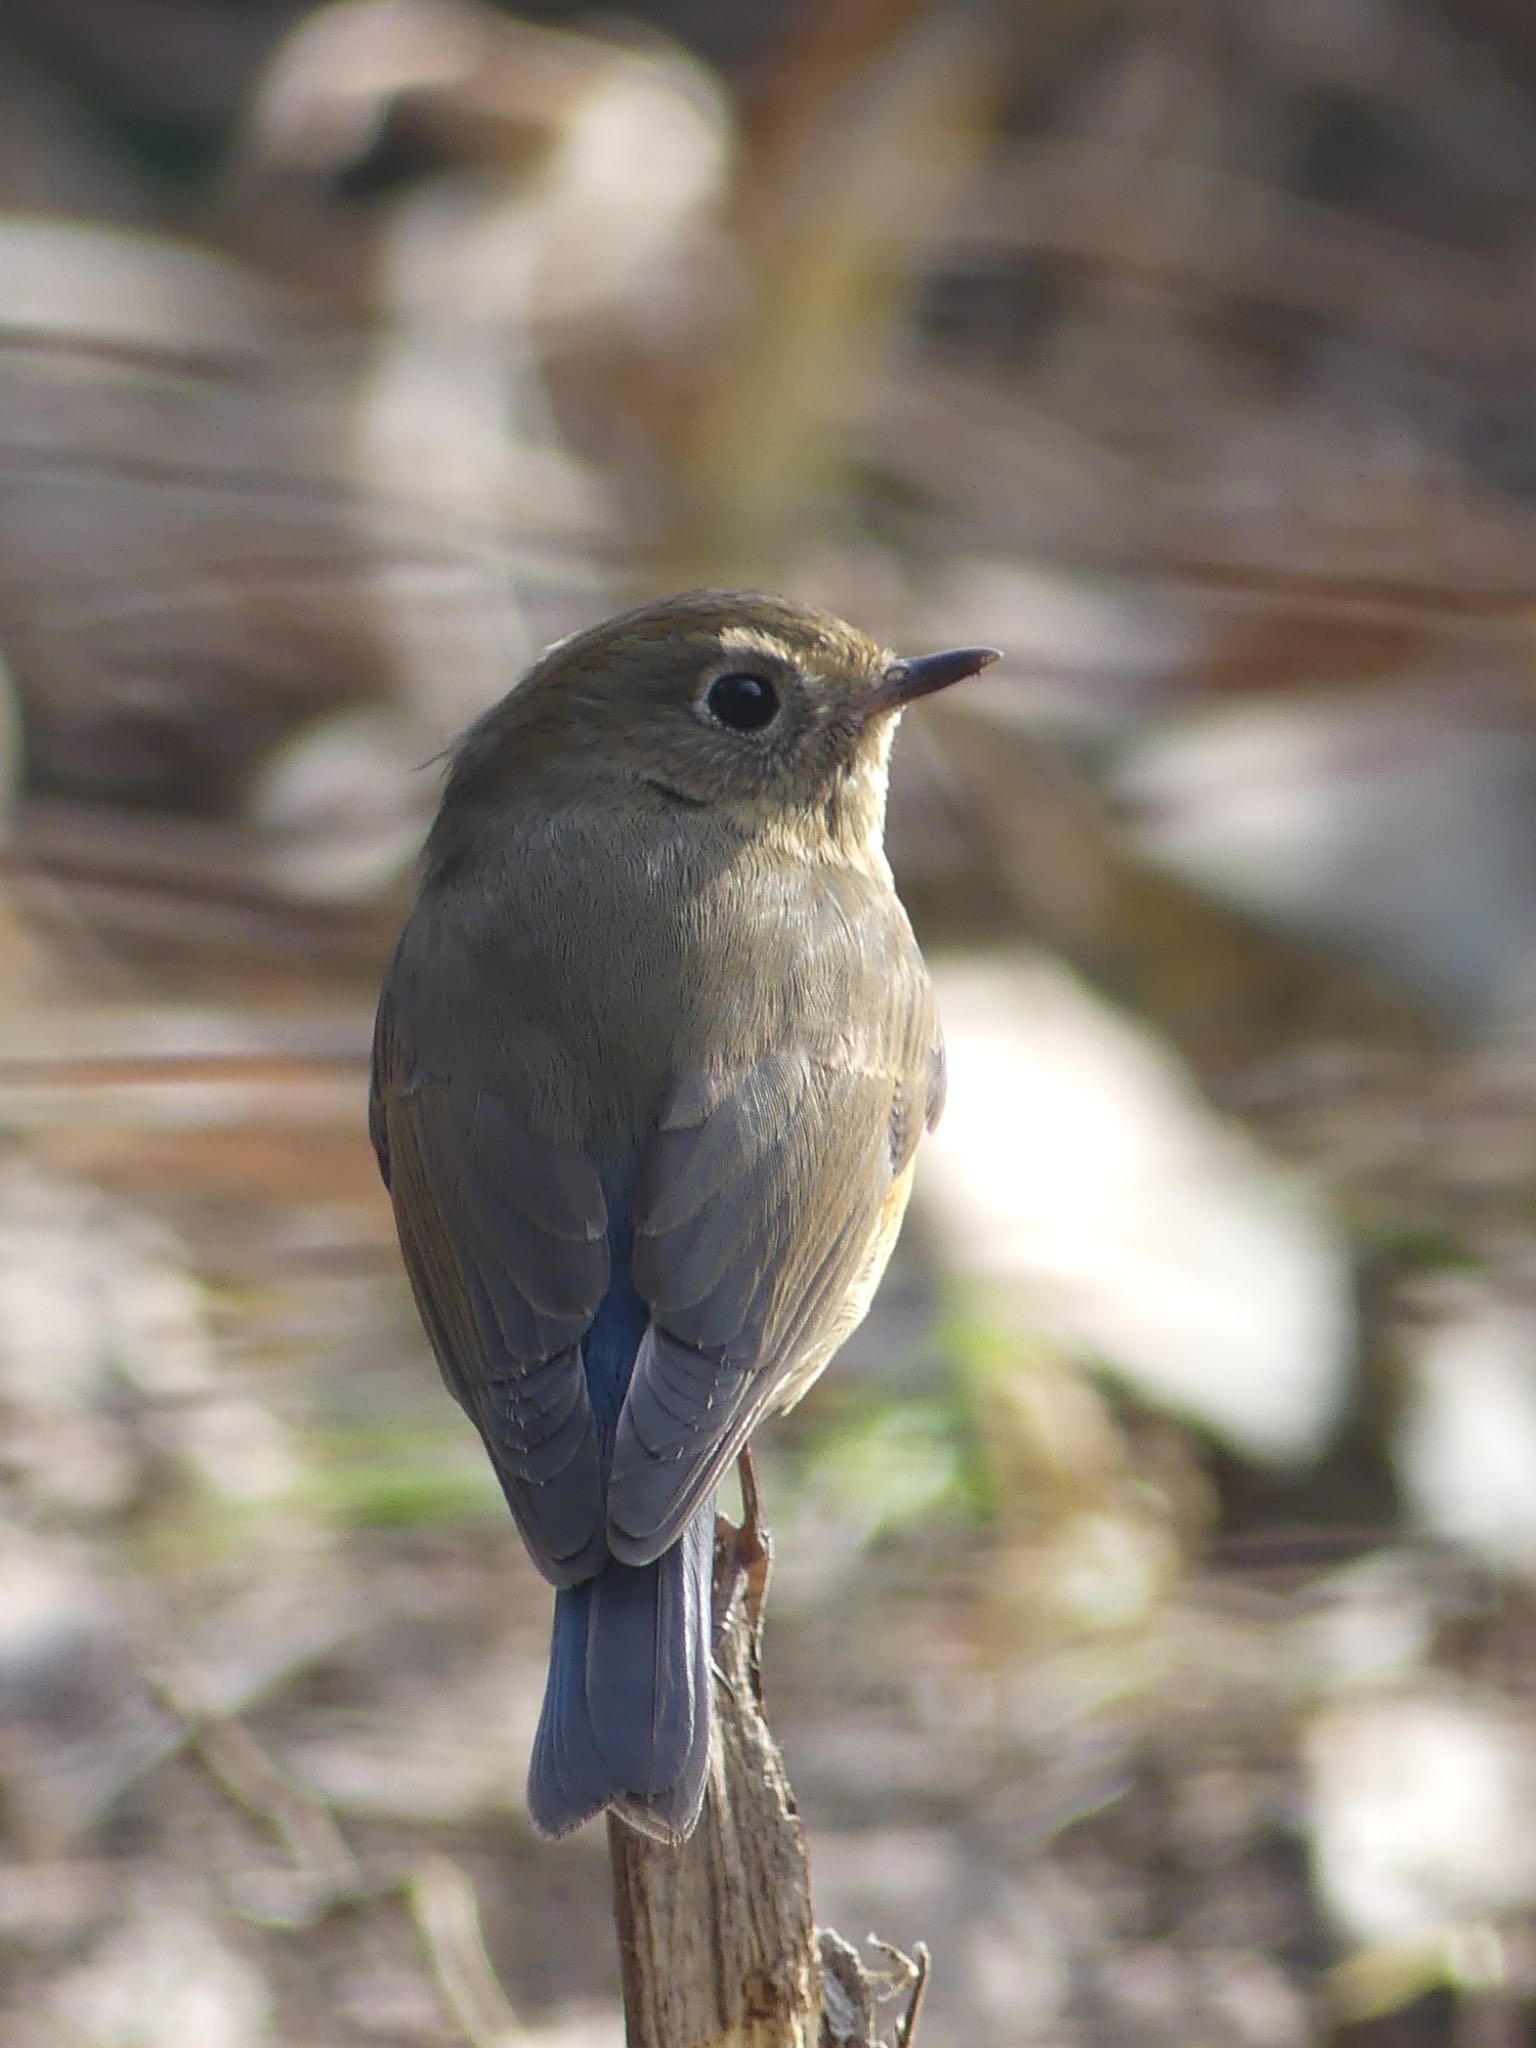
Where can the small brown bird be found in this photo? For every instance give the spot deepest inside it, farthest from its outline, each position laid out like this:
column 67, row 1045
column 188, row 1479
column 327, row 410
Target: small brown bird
column 651, row 1065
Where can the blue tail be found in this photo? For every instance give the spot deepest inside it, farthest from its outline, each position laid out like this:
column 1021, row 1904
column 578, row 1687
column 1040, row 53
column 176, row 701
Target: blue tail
column 626, row 1706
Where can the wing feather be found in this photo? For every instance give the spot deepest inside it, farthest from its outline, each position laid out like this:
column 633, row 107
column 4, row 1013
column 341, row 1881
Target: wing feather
column 765, row 1216
column 504, row 1237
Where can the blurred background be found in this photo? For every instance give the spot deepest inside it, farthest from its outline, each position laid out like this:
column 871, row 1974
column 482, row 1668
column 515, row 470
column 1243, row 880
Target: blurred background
column 1152, row 1630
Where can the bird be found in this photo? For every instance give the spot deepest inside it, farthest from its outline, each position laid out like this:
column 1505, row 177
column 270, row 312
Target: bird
column 651, row 1064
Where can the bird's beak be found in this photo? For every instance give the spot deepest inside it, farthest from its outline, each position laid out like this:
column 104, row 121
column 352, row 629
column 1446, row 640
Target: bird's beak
column 922, row 674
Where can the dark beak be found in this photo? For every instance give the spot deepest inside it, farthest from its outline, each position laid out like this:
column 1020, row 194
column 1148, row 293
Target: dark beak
column 925, row 673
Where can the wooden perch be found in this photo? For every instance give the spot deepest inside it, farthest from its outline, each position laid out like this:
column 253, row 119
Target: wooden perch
column 717, row 1944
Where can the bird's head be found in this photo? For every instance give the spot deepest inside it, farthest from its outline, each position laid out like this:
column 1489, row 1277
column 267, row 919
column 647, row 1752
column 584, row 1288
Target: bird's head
column 749, row 707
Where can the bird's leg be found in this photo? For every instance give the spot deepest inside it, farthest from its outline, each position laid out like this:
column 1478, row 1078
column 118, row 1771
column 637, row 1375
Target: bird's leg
column 743, row 1556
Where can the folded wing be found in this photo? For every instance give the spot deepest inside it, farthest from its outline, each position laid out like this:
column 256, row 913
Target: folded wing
column 766, row 1211
column 504, row 1239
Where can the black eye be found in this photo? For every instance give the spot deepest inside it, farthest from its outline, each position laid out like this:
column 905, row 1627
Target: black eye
column 742, row 701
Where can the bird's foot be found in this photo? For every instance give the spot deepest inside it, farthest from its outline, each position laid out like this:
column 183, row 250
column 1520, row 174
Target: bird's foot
column 743, row 1557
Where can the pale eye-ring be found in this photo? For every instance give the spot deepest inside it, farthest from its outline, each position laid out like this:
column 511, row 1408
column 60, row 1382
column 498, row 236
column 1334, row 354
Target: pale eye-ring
column 742, row 701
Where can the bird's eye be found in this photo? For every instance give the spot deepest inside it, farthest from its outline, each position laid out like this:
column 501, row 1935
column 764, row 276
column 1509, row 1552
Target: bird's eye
column 742, row 701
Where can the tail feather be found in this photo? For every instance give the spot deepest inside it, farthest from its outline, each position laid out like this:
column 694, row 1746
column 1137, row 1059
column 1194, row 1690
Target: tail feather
column 626, row 1719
